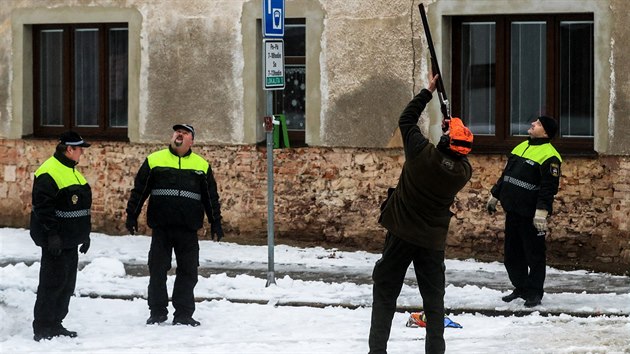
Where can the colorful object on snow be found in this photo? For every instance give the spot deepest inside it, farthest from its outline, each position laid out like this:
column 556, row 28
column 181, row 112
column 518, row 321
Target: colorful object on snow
column 419, row 319
column 449, row 323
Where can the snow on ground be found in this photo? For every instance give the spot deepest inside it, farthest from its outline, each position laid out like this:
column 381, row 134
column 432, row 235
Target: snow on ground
column 241, row 315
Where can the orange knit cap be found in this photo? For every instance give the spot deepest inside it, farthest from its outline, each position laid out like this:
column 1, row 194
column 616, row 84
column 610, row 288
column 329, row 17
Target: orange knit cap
column 461, row 137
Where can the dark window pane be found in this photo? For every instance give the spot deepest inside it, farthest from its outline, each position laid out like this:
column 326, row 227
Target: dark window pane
column 527, row 74
column 294, row 96
column 51, row 77
column 576, row 79
column 118, row 89
column 294, row 44
column 478, row 76
column 86, row 79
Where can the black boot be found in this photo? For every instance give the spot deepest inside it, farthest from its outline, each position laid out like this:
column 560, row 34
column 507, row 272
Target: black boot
column 186, row 320
column 156, row 319
column 512, row 296
column 533, row 300
column 51, row 332
column 60, row 330
column 42, row 333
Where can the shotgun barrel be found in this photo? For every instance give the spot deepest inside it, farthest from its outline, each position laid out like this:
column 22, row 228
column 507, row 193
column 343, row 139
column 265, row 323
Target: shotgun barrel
column 435, row 68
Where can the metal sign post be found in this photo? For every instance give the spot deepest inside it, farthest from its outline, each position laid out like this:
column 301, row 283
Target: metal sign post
column 271, row 278
column 273, row 79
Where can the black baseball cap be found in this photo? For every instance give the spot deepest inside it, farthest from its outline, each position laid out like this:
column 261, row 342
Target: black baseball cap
column 71, row 138
column 185, row 127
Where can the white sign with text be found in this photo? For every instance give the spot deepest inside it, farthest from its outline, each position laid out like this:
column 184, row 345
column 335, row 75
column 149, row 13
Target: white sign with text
column 273, row 70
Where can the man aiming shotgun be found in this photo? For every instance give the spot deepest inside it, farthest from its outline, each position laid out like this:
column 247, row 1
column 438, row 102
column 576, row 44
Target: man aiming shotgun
column 417, row 215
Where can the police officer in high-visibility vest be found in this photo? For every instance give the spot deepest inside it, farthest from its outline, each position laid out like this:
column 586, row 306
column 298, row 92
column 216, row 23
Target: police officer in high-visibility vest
column 181, row 187
column 60, row 222
column 526, row 190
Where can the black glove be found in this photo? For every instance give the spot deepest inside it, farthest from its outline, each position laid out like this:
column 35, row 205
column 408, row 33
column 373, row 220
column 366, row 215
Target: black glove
column 216, row 230
column 132, row 225
column 85, row 246
column 54, row 244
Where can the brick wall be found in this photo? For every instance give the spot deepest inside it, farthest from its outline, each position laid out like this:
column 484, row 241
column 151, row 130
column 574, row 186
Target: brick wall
column 330, row 196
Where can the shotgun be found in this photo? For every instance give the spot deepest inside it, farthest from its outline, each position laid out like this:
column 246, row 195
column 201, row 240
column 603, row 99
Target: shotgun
column 435, row 68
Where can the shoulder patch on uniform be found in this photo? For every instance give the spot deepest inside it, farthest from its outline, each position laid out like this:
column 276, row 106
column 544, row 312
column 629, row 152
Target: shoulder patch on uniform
column 449, row 164
column 554, row 168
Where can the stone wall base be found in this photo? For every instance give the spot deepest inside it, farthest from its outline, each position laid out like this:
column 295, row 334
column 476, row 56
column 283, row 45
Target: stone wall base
column 330, row 197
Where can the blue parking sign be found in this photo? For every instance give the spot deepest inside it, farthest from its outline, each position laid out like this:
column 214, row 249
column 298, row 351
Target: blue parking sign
column 273, row 18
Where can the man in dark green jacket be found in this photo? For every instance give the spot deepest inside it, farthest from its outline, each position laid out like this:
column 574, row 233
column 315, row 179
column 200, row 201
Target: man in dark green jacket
column 182, row 187
column 60, row 221
column 416, row 216
column 526, row 190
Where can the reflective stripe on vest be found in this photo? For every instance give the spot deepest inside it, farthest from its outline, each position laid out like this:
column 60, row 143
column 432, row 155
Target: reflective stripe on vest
column 176, row 193
column 72, row 214
column 63, row 175
column 519, row 183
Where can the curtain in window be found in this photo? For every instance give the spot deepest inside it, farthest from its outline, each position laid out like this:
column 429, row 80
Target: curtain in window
column 118, row 90
column 51, row 78
column 576, row 79
column 86, row 77
column 528, row 71
column 294, row 96
column 478, row 76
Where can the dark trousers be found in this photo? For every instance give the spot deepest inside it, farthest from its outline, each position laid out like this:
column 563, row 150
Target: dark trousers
column 388, row 276
column 525, row 255
column 186, row 246
column 57, row 279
